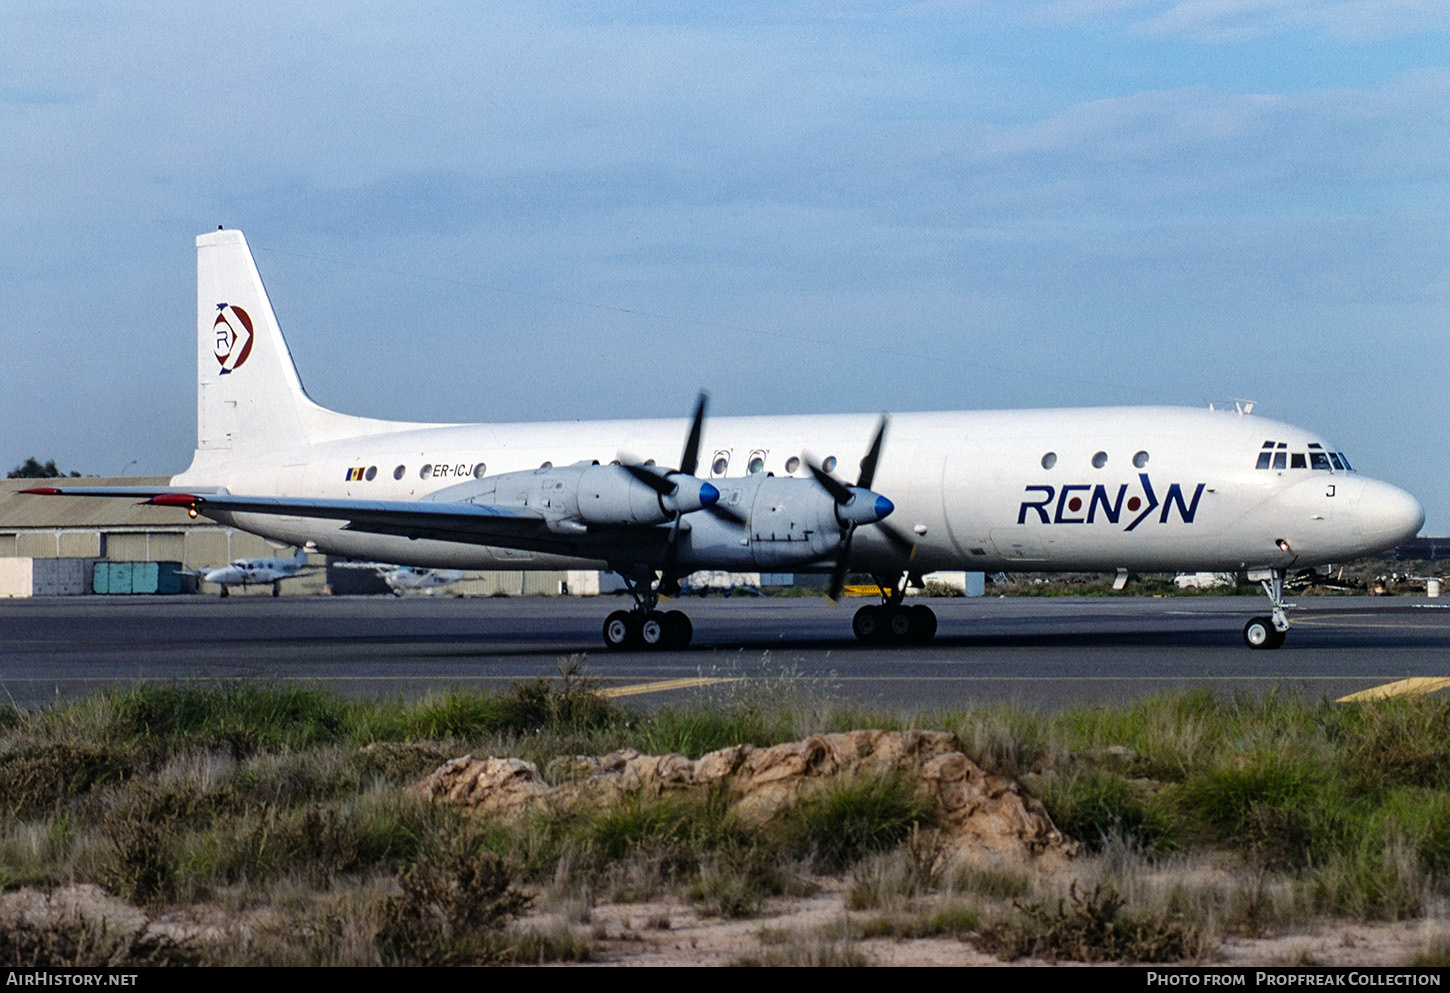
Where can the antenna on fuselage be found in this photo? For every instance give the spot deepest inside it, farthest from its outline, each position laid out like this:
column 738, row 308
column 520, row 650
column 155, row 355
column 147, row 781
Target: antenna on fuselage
column 1242, row 407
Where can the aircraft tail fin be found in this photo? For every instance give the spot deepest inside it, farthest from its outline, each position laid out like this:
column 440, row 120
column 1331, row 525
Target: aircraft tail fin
column 249, row 398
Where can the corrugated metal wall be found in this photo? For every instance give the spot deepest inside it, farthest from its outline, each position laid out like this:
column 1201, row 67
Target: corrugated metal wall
column 206, row 546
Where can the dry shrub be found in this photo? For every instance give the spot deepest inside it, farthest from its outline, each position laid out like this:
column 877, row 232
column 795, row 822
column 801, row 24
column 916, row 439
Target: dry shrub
column 37, row 777
column 450, row 905
column 70, row 940
column 1088, row 928
column 902, row 874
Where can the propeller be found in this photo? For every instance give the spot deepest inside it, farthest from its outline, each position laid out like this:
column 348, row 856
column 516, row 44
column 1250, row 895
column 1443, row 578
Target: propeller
column 858, row 505
column 679, row 491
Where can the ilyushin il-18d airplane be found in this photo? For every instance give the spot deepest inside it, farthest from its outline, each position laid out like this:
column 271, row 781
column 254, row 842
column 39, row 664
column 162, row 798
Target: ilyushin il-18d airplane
column 1157, row 489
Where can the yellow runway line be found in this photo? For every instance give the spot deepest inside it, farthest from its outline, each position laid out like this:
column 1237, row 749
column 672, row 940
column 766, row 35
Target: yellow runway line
column 663, row 685
column 1403, row 687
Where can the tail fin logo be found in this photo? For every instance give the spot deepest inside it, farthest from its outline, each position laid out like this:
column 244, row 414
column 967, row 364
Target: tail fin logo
column 233, row 337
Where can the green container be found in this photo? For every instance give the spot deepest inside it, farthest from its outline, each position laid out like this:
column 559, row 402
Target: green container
column 144, row 577
column 168, row 577
column 114, row 578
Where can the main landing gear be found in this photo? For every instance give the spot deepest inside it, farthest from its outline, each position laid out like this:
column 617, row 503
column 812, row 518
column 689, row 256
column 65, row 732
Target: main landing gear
column 892, row 621
column 1269, row 632
column 645, row 626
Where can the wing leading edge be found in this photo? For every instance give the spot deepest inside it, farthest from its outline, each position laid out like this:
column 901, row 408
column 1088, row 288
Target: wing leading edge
column 464, row 522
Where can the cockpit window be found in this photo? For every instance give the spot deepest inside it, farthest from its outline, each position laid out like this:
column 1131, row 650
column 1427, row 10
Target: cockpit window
column 1274, row 456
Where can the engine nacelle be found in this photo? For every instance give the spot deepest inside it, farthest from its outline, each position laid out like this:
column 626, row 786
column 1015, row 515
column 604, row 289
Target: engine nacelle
column 586, row 494
column 789, row 523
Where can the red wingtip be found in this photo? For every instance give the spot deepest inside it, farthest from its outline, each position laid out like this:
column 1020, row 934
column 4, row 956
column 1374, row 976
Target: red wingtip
column 173, row 500
column 44, row 491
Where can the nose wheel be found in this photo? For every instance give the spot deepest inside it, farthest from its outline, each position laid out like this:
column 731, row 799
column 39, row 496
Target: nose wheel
column 1261, row 633
column 1269, row 632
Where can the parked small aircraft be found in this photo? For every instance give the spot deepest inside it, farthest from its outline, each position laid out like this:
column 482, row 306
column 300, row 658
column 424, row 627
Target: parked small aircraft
column 402, row 578
column 1149, row 489
column 256, row 572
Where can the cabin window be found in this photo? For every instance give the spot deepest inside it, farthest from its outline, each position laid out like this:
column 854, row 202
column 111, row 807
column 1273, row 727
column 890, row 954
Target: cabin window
column 1140, row 460
column 756, row 463
column 547, row 465
column 1049, row 460
column 1100, row 460
column 479, row 471
column 371, row 474
column 399, row 471
column 721, row 463
column 792, row 464
column 426, row 471
column 830, row 464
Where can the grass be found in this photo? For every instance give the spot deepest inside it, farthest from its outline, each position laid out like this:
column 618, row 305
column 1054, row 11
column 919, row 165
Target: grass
column 288, row 806
column 953, row 922
column 842, row 824
column 829, row 947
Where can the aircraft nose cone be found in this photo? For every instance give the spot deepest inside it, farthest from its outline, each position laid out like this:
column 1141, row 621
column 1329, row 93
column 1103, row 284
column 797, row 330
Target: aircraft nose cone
column 708, row 495
column 1387, row 515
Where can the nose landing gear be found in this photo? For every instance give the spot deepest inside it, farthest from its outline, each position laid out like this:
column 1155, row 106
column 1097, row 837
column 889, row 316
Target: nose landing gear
column 1269, row 632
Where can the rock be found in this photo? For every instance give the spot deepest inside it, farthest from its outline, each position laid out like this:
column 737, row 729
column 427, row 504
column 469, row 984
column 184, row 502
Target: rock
column 976, row 813
column 486, row 786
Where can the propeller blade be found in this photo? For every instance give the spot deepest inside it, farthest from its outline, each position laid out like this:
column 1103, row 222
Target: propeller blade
column 669, row 582
column 902, row 541
column 831, row 484
column 838, row 574
column 868, row 464
column 725, row 513
column 691, row 457
column 654, row 481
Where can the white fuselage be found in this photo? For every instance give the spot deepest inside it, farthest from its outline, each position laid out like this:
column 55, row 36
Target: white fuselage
column 973, row 489
column 247, row 572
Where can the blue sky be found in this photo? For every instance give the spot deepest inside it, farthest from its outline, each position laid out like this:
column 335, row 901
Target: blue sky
column 513, row 211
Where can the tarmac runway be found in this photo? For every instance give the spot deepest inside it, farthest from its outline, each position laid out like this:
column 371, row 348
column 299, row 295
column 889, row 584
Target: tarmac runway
column 1044, row 653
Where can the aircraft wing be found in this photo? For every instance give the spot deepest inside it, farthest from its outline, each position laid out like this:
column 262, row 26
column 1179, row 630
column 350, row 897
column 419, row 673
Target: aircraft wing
column 115, row 491
column 464, row 522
